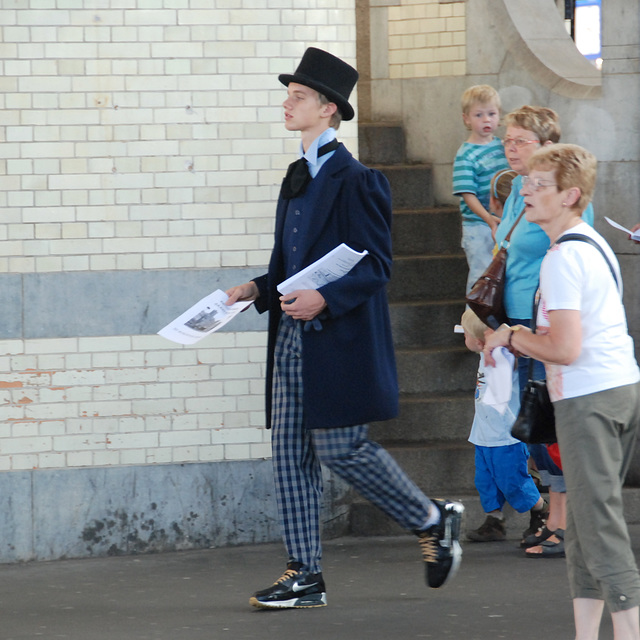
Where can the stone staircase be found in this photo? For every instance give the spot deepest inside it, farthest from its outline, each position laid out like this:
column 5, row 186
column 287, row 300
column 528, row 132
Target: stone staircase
column 436, row 372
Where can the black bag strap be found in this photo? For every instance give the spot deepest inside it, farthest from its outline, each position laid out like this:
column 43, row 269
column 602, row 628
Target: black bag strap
column 534, row 326
column 582, row 238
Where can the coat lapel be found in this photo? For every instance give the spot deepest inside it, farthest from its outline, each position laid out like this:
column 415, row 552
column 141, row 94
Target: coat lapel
column 320, row 207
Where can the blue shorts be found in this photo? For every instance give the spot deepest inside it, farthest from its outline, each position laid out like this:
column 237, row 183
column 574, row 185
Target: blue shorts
column 502, row 476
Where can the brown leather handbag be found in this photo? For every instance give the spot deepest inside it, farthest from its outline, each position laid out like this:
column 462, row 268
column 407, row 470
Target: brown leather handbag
column 485, row 298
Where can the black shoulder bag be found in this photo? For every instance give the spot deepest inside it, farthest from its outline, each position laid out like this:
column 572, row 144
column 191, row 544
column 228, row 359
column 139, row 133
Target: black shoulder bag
column 536, row 423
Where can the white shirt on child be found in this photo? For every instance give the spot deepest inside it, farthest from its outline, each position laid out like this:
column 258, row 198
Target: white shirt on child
column 491, row 428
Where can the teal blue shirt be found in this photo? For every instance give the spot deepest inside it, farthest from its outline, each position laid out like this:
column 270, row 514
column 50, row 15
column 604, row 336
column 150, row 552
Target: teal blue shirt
column 527, row 248
column 473, row 168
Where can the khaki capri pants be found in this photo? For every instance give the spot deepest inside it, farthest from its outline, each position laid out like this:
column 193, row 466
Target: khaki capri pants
column 597, row 435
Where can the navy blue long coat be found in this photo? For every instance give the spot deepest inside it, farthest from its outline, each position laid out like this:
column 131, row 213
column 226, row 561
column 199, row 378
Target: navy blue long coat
column 349, row 370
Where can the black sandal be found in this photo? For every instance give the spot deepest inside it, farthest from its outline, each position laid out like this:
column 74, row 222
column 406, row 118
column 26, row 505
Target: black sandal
column 551, row 549
column 537, row 538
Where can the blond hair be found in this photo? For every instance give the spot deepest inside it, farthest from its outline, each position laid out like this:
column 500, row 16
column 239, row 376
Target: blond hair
column 572, row 166
column 541, row 121
column 479, row 94
column 336, row 118
column 472, row 325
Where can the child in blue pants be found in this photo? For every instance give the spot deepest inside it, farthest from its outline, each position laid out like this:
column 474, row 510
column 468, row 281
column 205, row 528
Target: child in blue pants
column 501, row 460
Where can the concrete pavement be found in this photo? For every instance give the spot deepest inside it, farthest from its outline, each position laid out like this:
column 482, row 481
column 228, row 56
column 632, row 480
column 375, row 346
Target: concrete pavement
column 375, row 590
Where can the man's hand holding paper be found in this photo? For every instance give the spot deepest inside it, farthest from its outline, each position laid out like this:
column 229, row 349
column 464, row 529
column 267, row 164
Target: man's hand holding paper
column 304, row 304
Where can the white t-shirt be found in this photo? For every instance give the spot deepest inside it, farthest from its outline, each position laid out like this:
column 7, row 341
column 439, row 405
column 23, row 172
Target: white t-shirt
column 491, row 428
column 574, row 275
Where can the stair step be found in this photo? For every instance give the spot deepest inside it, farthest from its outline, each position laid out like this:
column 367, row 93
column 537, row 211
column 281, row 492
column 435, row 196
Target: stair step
column 436, row 371
column 411, row 185
column 368, row 520
column 431, row 231
column 438, row 468
column 420, row 325
column 424, row 278
column 381, row 142
column 428, row 418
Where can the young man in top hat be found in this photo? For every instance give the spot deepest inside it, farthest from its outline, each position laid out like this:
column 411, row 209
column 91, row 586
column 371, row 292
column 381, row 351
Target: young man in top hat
column 330, row 358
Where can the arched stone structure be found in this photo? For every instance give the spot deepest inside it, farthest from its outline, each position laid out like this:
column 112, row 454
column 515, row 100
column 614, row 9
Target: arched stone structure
column 536, row 35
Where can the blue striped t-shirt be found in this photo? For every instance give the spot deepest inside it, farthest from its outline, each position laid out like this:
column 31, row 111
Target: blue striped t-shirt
column 473, row 168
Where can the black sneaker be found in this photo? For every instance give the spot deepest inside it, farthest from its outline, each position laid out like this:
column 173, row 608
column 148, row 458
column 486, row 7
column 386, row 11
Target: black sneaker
column 491, row 530
column 294, row 589
column 440, row 544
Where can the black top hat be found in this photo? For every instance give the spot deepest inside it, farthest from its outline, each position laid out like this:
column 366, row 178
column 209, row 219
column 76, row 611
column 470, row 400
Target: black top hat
column 328, row 75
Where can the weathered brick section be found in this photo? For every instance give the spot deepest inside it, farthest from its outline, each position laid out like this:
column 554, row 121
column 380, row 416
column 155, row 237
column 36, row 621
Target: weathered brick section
column 122, row 401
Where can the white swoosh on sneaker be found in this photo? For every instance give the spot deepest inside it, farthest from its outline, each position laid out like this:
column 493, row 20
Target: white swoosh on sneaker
column 302, row 587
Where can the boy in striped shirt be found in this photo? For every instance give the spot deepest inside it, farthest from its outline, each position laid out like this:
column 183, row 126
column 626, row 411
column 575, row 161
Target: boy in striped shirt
column 476, row 162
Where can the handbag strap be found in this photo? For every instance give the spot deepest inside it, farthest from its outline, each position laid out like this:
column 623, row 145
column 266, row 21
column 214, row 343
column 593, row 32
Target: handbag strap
column 507, row 238
column 582, row 238
column 534, row 326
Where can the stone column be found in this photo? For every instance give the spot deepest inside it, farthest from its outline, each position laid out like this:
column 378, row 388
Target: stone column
column 618, row 191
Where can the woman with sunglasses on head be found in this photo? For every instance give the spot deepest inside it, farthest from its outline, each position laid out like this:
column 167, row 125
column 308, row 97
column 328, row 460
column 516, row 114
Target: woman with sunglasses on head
column 594, row 385
column 528, row 129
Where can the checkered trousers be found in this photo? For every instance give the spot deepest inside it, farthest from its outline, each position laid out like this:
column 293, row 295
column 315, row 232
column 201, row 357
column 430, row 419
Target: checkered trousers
column 298, row 453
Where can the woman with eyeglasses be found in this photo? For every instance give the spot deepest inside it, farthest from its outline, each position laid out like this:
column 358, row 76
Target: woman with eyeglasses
column 593, row 381
column 527, row 130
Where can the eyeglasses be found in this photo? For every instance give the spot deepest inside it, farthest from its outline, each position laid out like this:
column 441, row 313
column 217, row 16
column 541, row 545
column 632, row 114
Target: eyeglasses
column 535, row 184
column 519, row 142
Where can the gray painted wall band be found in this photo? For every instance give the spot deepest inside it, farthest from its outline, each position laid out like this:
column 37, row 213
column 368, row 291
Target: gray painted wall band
column 107, row 303
column 73, row 513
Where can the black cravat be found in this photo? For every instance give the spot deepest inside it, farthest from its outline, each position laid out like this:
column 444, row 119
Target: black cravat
column 298, row 177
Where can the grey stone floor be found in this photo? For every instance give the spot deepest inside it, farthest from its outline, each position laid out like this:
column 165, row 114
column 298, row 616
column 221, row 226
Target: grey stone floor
column 375, row 590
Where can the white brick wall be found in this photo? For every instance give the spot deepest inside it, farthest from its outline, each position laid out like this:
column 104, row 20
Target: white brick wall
column 110, row 112
column 131, row 400
column 144, row 135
